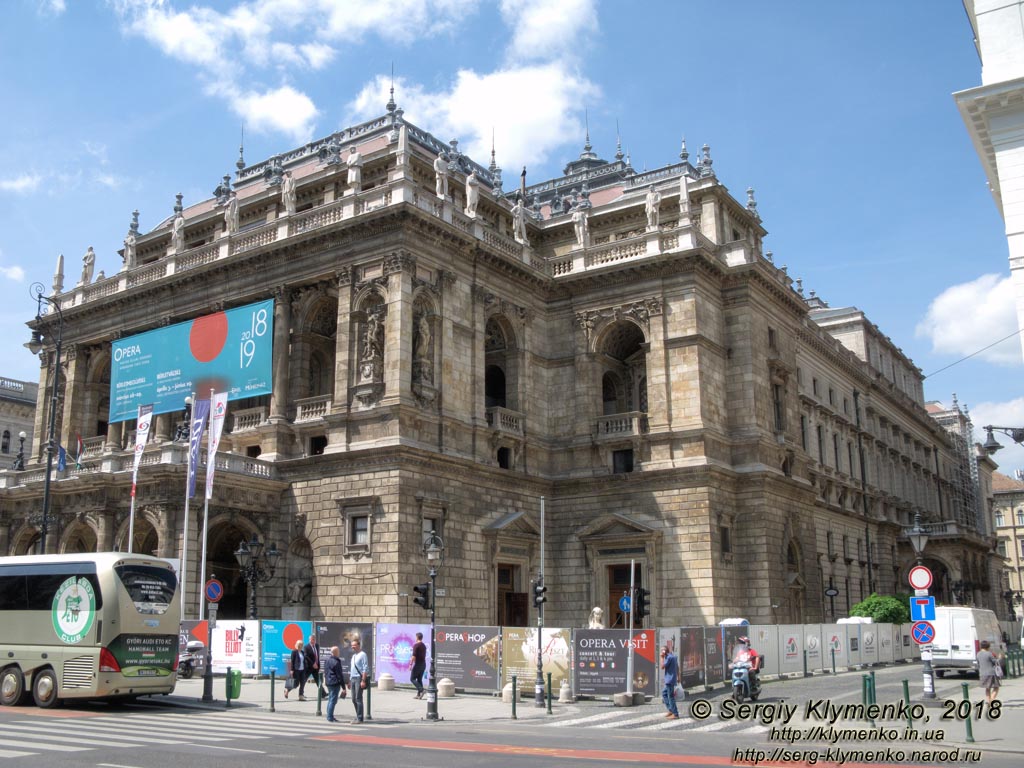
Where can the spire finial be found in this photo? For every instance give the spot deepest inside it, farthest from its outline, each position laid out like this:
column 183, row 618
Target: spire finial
column 752, row 203
column 494, row 162
column 586, row 119
column 240, row 163
column 618, row 142
column 684, row 155
column 391, row 101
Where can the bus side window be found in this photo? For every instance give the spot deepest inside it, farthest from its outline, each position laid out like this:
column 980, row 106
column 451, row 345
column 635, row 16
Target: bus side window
column 12, row 593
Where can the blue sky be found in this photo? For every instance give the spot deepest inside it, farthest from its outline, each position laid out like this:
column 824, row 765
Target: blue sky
column 840, row 115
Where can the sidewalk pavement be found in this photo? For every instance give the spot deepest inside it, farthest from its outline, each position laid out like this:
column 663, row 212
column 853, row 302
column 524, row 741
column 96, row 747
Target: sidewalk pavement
column 399, row 705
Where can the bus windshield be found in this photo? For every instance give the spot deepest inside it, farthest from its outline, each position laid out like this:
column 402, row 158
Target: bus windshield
column 150, row 588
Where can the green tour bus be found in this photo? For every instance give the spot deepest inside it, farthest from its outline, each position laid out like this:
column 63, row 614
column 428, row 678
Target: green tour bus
column 100, row 625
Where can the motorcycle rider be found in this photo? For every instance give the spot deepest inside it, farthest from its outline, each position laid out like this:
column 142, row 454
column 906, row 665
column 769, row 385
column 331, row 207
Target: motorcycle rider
column 744, row 651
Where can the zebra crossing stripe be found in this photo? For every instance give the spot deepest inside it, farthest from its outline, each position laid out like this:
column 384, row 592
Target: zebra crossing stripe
column 713, row 726
column 47, row 734
column 123, row 733
column 585, row 720
column 43, row 747
column 649, row 718
column 15, row 753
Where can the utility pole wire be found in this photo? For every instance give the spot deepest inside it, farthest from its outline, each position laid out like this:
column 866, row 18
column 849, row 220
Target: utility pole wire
column 975, row 353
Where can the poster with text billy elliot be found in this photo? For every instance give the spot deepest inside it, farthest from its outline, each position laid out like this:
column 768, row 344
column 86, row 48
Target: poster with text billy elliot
column 227, row 351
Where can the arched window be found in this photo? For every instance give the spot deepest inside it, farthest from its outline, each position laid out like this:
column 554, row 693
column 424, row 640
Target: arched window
column 5, row 447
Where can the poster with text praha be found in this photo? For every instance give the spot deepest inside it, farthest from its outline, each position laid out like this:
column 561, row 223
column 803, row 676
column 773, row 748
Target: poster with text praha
column 227, row 351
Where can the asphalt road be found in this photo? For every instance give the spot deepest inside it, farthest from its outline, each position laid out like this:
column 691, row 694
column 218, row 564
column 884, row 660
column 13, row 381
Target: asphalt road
column 157, row 734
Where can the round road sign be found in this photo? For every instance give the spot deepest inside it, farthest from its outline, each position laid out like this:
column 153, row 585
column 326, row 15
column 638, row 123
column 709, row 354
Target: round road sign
column 624, row 603
column 919, row 577
column 214, row 590
column 923, row 632
column 831, row 592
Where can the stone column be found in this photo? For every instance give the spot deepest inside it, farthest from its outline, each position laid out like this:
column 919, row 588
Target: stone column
column 105, row 525
column 658, row 382
column 115, row 434
column 709, row 219
column 282, row 329
column 163, row 428
column 75, row 396
column 342, row 343
column 399, row 268
column 40, row 425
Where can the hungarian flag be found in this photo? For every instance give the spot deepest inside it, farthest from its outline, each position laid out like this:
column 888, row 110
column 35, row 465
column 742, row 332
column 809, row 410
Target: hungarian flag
column 79, row 451
column 200, row 410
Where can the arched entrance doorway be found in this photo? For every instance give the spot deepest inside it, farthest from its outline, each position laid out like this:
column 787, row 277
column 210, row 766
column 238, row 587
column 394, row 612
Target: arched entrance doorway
column 147, row 540
column 220, row 562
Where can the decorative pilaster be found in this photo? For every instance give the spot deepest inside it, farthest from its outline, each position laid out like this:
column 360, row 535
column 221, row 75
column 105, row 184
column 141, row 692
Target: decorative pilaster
column 282, row 324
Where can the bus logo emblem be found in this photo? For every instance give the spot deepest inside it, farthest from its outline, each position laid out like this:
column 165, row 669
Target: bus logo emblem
column 74, row 609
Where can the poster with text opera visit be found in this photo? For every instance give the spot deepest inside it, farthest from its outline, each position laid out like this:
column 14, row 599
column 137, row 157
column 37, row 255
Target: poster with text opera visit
column 602, row 655
column 227, row 352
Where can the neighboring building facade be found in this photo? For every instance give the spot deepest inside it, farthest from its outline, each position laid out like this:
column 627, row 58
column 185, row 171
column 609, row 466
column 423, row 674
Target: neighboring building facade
column 994, row 114
column 1009, row 522
column 17, row 416
column 618, row 352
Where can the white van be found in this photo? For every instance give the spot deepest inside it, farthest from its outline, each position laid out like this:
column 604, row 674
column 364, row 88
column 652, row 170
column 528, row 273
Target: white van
column 958, row 635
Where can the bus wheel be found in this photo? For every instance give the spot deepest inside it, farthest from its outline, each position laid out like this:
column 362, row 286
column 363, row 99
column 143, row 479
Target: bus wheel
column 44, row 688
column 12, row 687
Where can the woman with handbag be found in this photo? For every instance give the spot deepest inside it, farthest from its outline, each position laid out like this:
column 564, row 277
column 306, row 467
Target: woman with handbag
column 297, row 672
column 990, row 672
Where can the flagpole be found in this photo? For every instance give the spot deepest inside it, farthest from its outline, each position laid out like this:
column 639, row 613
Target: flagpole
column 206, row 512
column 184, row 543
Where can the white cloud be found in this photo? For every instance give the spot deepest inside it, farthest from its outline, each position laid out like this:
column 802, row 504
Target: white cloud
column 531, row 110
column 23, row 184
column 547, row 30
column 108, row 180
column 96, row 149
column 989, row 302
column 13, row 273
column 51, row 7
column 283, row 109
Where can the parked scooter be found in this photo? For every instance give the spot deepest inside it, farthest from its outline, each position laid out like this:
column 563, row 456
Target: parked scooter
column 190, row 658
column 745, row 682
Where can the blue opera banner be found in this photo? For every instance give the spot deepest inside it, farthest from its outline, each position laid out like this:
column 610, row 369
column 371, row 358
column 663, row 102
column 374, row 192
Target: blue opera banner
column 224, row 352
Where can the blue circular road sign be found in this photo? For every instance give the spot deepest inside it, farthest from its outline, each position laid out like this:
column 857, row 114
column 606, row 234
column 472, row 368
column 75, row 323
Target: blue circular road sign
column 214, row 590
column 624, row 603
column 923, row 632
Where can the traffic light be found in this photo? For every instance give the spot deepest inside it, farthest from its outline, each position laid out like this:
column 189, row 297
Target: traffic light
column 539, row 598
column 641, row 604
column 422, row 598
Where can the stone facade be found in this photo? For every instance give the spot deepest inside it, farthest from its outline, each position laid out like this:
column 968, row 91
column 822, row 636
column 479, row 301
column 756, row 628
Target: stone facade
column 1009, row 527
column 17, row 408
column 654, row 383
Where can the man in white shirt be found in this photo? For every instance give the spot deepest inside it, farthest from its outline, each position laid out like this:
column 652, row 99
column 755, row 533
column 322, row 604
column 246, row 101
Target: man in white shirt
column 359, row 678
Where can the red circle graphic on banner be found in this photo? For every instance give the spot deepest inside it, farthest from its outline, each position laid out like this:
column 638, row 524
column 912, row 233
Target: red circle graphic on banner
column 207, row 336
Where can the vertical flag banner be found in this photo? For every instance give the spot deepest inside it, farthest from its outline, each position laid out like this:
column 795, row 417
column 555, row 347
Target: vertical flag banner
column 142, row 425
column 80, row 450
column 218, row 411
column 62, row 458
column 200, row 410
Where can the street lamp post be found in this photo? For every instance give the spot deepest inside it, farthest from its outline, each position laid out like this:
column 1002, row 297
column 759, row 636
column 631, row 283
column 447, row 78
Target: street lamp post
column 35, row 346
column 257, row 567
column 433, row 548
column 991, row 445
column 918, row 537
column 19, row 460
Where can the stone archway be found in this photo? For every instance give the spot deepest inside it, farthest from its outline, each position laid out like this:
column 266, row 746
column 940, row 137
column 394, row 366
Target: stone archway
column 224, row 538
column 79, row 538
column 147, row 538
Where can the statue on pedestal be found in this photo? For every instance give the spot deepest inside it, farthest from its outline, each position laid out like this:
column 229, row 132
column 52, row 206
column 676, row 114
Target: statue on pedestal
column 596, row 620
column 88, row 264
column 355, row 169
column 441, row 175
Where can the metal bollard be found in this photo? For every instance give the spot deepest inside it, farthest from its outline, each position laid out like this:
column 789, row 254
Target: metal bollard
column 273, row 685
column 805, row 665
column 549, row 693
column 874, row 699
column 906, row 698
column 369, row 707
column 227, row 689
column 967, row 720
column 319, row 693
column 515, row 696
column 833, row 661
column 864, row 699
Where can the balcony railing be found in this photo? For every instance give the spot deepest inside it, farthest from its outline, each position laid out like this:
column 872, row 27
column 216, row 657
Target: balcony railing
column 617, row 425
column 248, row 418
column 312, row 408
column 506, row 421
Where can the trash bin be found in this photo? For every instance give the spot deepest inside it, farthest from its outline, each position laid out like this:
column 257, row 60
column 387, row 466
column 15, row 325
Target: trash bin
column 234, row 684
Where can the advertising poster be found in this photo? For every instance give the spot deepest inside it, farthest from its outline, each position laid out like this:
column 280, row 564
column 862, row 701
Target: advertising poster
column 278, row 641
column 690, row 651
column 714, row 664
column 812, row 643
column 869, row 641
column 393, row 650
column 519, row 655
column 224, row 352
column 469, row 656
column 236, row 644
column 341, row 634
column 601, row 658
column 193, row 631
column 833, row 638
column 767, row 641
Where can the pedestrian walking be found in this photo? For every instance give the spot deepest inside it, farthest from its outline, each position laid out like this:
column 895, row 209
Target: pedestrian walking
column 298, row 671
column 990, row 671
column 312, row 651
column 359, row 678
column 670, row 667
column 418, row 663
column 334, row 679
